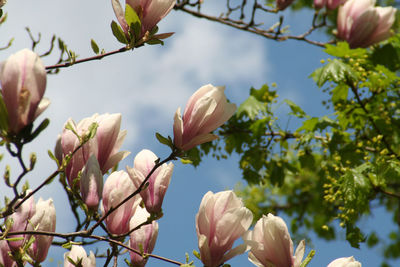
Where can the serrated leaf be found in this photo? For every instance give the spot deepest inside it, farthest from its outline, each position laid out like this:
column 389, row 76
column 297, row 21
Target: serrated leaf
column 94, row 46
column 296, row 110
column 118, row 33
column 251, row 107
column 342, row 49
column 335, row 71
column 340, row 93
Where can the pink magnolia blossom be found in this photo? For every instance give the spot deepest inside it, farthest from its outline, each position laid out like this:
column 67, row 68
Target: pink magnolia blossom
column 206, row 110
column 104, row 146
column 329, row 4
column 345, row 262
column 78, row 254
column 221, row 220
column 23, row 82
column 153, row 195
column 21, row 219
column 117, row 187
column 361, row 24
column 5, row 259
column 271, row 244
column 282, row 4
column 143, row 238
column 44, row 219
column 150, row 12
column 91, row 183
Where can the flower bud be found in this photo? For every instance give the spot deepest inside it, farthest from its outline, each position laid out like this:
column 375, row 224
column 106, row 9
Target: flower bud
column 21, row 219
column 206, row 110
column 153, row 195
column 150, row 13
column 142, row 239
column 104, row 146
column 271, row 244
column 91, row 183
column 345, row 262
column 117, row 187
column 5, row 259
column 282, row 4
column 23, row 82
column 221, row 220
column 78, row 255
column 330, row 4
column 44, row 219
column 361, row 24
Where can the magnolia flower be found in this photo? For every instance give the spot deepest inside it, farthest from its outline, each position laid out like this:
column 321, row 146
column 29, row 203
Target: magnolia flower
column 21, row 219
column 150, row 13
column 330, row 4
column 23, row 82
column 345, row 262
column 221, row 220
column 5, row 259
column 91, row 183
column 117, row 187
column 78, row 254
column 153, row 195
column 142, row 239
column 361, row 24
column 104, row 146
column 206, row 110
column 271, row 244
column 44, row 219
column 282, row 4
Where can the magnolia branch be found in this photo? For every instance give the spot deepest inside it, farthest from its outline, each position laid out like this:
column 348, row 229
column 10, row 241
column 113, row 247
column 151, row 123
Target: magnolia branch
column 86, row 234
column 275, row 32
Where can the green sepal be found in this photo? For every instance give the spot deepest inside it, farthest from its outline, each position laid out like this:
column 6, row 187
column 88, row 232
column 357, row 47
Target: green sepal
column 118, row 33
column 3, row 115
column 133, row 20
column 43, row 125
column 165, row 141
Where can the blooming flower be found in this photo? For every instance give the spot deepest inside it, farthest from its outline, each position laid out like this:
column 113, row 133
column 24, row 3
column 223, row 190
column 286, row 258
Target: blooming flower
column 44, row 219
column 345, row 262
column 361, row 24
column 142, row 239
column 21, row 219
column 104, row 146
column 272, row 245
column 5, row 259
column 91, row 183
column 206, row 110
column 153, row 195
column 221, row 220
column 117, row 187
column 150, row 12
column 78, row 254
column 23, row 82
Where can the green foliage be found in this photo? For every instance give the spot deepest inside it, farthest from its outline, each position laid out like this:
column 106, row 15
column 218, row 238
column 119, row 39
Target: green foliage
column 118, row 33
column 331, row 168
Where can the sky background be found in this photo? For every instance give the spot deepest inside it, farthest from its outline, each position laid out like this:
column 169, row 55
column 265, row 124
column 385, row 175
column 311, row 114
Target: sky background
column 147, row 85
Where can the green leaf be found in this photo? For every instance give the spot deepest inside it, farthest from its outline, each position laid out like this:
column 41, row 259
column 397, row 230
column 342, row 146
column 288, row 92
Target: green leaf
column 118, row 33
column 163, row 140
column 336, row 71
column 309, row 125
column 3, row 115
column 133, row 20
column 94, row 46
column 154, row 42
column 340, row 93
column 43, row 125
column 296, row 110
column 251, row 107
column 342, row 49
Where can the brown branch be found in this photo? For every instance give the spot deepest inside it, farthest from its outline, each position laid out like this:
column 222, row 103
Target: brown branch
column 97, row 57
column 251, row 26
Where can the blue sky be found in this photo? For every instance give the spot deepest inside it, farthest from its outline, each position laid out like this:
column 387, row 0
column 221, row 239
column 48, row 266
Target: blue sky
column 149, row 84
